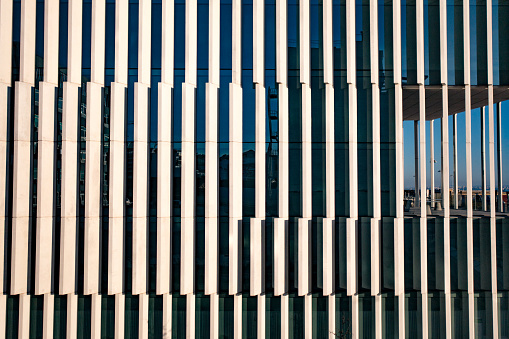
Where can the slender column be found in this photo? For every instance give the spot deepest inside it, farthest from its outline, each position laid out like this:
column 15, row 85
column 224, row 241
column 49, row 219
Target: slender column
column 455, row 159
column 257, row 226
column 6, row 43
column 95, row 316
column 483, row 159
column 119, row 315
column 237, row 316
column 140, row 158
column 304, row 223
column 93, row 179
column 211, row 168
column 416, row 164
column 143, row 316
column 281, row 223
column 330, row 190
column 399, row 253
column 71, row 329
column 3, row 313
column 444, row 170
column 499, row 158
column 432, row 162
column 422, row 163
column 211, row 163
column 21, row 204
column 48, row 316
column 214, row 316
column 377, row 191
column 46, row 150
column 117, row 137
column 188, row 156
column 352, row 222
column 493, row 221
column 468, row 156
column 5, row 85
column 164, row 156
column 70, row 113
column 24, row 316
column 167, row 309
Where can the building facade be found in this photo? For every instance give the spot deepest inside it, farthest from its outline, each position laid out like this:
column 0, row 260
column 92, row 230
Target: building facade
column 234, row 169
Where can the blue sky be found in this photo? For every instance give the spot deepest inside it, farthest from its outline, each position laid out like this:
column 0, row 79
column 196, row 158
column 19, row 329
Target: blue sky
column 409, row 157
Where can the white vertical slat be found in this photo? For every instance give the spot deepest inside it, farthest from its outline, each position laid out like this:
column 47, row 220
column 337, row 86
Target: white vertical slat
column 214, row 316
column 211, row 189
column 444, row 171
column 281, row 223
column 22, row 202
column 190, row 315
column 45, row 175
column 235, row 160
column 6, row 43
column 331, row 310
column 483, row 158
column 455, row 159
column 260, row 316
column 119, row 315
column 351, row 222
column 140, row 158
column 24, row 317
column 167, row 309
column 3, row 312
column 70, row 113
column 45, row 187
column 48, row 316
column 211, row 161
column 71, row 328
column 257, row 256
column 117, row 137
column 308, row 316
column 121, row 40
column 164, row 189
column 165, row 153
column 376, row 220
column 140, row 187
column 167, row 42
column 258, row 42
column 257, row 226
column 499, row 158
column 143, row 316
column 304, row 256
column 4, row 103
column 45, row 161
column 432, row 161
column 237, row 316
column 236, row 41
column 68, row 226
column 188, row 191
column 285, row 316
column 235, row 189
column 188, row 147
column 93, row 196
column 330, row 190
column 493, row 226
column 468, row 157
column 416, row 164
column 422, row 162
column 95, row 316
column 116, row 188
column 446, row 205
